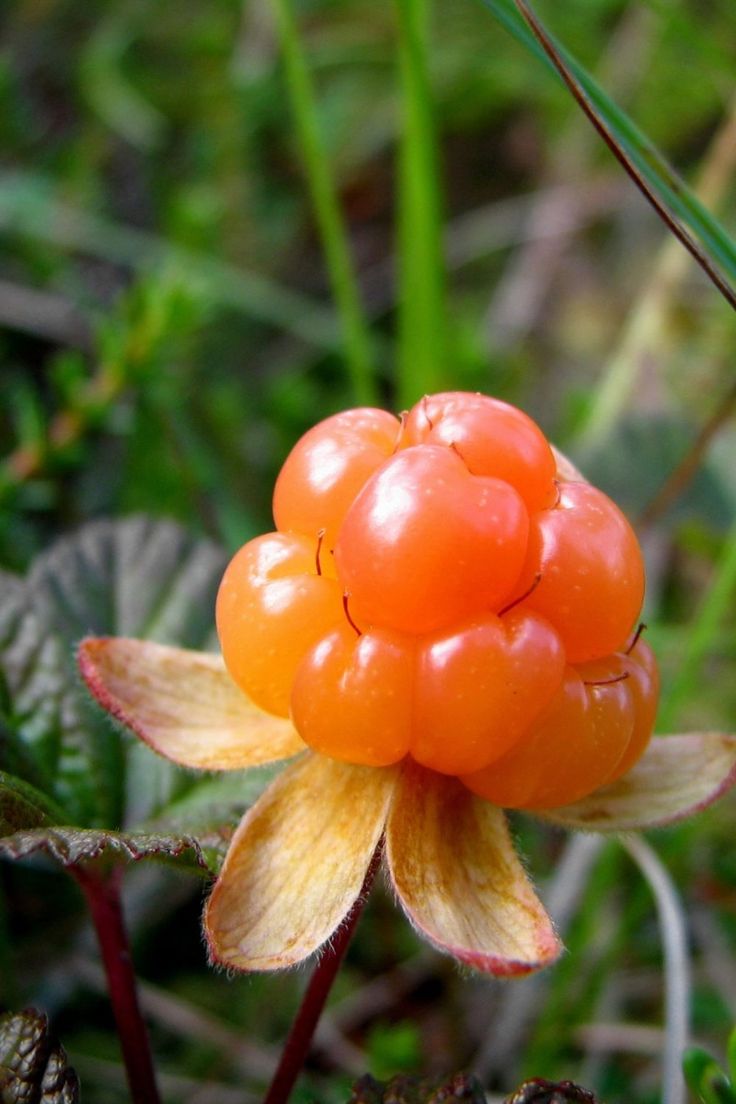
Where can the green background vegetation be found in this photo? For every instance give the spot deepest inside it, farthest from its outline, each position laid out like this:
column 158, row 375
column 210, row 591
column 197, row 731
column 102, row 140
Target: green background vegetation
column 169, row 326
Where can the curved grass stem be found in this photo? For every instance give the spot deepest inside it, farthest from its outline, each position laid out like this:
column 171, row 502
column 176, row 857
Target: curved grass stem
column 676, row 962
column 315, row 997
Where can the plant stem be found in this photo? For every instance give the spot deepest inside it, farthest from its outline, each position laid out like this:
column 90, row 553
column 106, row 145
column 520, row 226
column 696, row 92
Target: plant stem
column 329, row 216
column 103, row 898
column 302, row 1031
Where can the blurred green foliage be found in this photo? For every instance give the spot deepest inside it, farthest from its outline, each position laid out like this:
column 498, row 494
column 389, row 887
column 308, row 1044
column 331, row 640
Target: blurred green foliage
column 708, row 1081
column 167, row 330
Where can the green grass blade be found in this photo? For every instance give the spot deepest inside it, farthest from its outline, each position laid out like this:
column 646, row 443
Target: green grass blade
column 702, row 633
column 327, row 210
column 422, row 338
column 694, row 225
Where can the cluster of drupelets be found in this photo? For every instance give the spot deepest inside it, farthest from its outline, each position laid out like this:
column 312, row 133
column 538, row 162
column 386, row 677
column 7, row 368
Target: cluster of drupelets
column 443, row 585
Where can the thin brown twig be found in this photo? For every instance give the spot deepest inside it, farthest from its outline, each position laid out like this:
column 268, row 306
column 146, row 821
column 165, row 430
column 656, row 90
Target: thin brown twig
column 66, row 427
column 679, row 478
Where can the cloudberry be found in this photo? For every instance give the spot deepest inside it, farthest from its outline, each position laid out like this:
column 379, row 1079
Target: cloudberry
column 436, row 588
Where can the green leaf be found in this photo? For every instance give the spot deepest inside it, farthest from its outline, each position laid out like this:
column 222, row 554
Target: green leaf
column 72, row 846
column 71, row 778
column 211, row 809
column 699, row 231
column 23, row 806
column 136, row 577
column 33, row 1066
column 695, row 1063
column 714, row 1087
column 705, row 1078
column 31, row 688
column 218, row 800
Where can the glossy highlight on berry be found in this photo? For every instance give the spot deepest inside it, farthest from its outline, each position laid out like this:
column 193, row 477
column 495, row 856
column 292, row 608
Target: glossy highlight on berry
column 440, row 588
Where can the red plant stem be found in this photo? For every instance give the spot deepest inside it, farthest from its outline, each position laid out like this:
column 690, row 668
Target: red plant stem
column 302, row 1030
column 102, row 893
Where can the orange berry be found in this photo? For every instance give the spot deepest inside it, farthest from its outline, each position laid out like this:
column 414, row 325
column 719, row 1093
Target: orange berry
column 352, row 696
column 271, row 608
column 580, row 740
column 591, row 584
column 479, row 687
column 327, row 467
column 492, row 437
column 426, row 543
column 435, row 590
column 643, row 685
